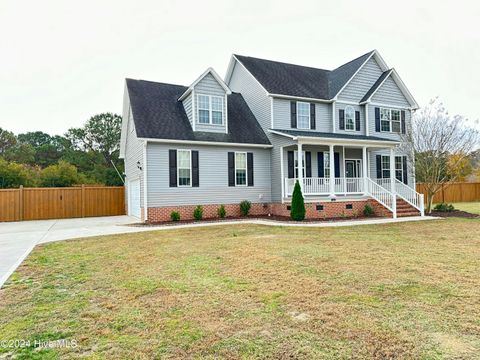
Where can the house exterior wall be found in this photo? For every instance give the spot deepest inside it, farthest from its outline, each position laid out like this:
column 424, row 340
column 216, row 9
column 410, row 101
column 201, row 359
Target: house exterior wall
column 187, row 105
column 341, row 106
column 362, row 82
column 281, row 118
column 383, row 134
column 209, row 86
column 389, row 93
column 213, row 176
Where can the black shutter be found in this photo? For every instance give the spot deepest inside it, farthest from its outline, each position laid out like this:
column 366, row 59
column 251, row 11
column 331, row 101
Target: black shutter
column 336, row 159
column 231, row 169
column 357, row 120
column 195, row 172
column 293, row 114
column 320, row 165
column 172, row 164
column 402, row 121
column 291, row 165
column 341, row 118
column 312, row 116
column 405, row 174
column 377, row 119
column 379, row 166
column 308, row 164
column 250, row 168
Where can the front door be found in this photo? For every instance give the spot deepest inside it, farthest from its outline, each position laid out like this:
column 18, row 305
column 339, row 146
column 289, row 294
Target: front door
column 352, row 174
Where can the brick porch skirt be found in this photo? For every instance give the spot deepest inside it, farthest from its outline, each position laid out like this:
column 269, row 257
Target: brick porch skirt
column 315, row 210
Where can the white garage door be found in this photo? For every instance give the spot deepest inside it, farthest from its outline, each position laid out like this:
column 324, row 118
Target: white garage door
column 134, row 198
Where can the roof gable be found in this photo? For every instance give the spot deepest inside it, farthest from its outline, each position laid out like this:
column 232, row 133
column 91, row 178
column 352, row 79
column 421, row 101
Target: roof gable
column 209, row 72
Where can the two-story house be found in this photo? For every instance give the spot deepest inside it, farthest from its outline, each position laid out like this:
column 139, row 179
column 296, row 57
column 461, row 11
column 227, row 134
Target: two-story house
column 252, row 135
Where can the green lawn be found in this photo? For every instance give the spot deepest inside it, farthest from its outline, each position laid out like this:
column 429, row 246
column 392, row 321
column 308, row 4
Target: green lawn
column 471, row 207
column 397, row 291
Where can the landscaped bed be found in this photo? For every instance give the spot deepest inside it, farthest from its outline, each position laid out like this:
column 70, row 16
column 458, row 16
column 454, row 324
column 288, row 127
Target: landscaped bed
column 406, row 290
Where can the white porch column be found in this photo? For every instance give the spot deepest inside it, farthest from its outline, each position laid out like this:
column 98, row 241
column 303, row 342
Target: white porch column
column 364, row 169
column 392, row 182
column 332, row 171
column 300, row 165
column 344, row 172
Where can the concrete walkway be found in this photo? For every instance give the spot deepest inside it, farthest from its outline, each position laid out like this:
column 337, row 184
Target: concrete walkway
column 17, row 239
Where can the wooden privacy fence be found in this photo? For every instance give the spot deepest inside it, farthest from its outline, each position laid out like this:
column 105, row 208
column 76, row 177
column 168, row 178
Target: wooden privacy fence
column 60, row 203
column 454, row 192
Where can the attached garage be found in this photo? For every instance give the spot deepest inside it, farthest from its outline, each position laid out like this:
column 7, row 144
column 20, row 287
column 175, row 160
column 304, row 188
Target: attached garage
column 134, row 198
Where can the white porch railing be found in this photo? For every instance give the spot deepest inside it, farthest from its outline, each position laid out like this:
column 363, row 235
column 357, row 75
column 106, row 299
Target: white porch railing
column 321, row 186
column 405, row 192
column 382, row 195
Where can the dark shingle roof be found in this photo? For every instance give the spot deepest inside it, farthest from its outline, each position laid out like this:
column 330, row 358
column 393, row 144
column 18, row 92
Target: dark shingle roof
column 303, row 81
column 376, row 85
column 330, row 135
column 158, row 114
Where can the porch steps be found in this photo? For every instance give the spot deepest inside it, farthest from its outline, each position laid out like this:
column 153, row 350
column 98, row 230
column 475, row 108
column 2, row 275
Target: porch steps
column 404, row 209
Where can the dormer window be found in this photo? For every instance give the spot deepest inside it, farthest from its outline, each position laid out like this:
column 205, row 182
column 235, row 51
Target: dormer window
column 210, row 109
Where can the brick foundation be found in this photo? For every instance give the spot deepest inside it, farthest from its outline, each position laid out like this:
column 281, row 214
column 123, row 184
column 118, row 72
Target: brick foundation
column 331, row 209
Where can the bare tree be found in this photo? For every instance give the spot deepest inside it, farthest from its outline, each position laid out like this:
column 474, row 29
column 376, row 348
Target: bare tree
column 438, row 144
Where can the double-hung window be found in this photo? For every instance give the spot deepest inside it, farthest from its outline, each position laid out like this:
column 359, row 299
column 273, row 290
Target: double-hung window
column 240, row 168
column 385, row 166
column 296, row 164
column 326, row 164
column 210, row 109
column 399, row 168
column 184, row 167
column 303, row 115
column 390, row 120
column 349, row 118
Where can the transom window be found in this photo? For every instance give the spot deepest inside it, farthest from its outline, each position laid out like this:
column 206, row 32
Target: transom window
column 390, row 120
column 296, row 163
column 240, row 168
column 303, row 115
column 349, row 118
column 210, row 109
column 184, row 167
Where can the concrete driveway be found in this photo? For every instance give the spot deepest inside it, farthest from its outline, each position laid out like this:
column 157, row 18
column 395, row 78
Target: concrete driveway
column 17, row 239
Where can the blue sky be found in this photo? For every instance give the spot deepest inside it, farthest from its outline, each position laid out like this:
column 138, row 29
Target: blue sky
column 63, row 61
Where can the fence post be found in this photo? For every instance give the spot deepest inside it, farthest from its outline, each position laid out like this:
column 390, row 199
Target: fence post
column 20, row 205
column 83, row 200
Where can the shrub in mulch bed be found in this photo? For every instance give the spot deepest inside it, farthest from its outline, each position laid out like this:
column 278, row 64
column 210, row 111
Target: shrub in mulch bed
column 455, row 213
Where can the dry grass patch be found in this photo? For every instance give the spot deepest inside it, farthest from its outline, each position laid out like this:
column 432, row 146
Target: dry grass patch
column 408, row 290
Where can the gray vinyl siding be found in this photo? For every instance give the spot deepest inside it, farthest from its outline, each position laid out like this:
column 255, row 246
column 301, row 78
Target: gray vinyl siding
column 362, row 82
column 281, row 115
column 133, row 156
column 209, row 86
column 382, row 134
column 389, row 93
column 187, row 105
column 253, row 93
column 213, row 177
column 372, row 165
column 342, row 106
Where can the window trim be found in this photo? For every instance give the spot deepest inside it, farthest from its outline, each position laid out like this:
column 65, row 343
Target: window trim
column 390, row 121
column 353, row 118
column 309, row 116
column 246, row 168
column 178, row 167
column 210, row 110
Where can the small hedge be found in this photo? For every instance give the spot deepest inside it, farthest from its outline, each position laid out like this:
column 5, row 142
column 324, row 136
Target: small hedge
column 175, row 216
column 368, row 210
column 198, row 213
column 444, row 207
column 245, row 206
column 221, row 212
column 297, row 210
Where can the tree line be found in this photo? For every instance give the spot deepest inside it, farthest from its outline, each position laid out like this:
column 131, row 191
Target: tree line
column 84, row 155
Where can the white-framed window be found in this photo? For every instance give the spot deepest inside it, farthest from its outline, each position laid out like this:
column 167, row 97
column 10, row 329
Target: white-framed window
column 326, row 164
column 296, row 164
column 349, row 118
column 210, row 109
column 399, row 168
column 385, row 166
column 303, row 115
column 390, row 120
column 184, row 168
column 240, row 168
